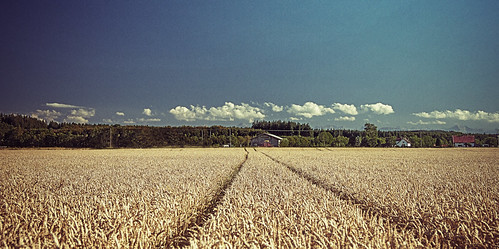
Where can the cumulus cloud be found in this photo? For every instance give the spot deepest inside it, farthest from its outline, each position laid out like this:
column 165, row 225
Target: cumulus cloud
column 421, row 122
column 120, row 113
column 59, row 105
column 309, row 109
column 47, row 115
column 460, row 115
column 75, row 119
column 275, row 108
column 147, row 112
column 227, row 112
column 345, row 119
column 83, row 112
column 79, row 114
column 129, row 121
column 346, row 108
column 186, row 114
column 378, row 108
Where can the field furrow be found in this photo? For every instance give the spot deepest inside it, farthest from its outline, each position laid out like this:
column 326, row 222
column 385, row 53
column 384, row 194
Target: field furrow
column 264, row 197
column 205, row 211
column 107, row 198
column 269, row 206
column 447, row 198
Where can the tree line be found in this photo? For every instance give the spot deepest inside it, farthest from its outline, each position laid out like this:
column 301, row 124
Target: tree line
column 25, row 131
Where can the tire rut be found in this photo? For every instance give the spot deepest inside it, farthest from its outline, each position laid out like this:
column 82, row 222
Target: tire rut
column 369, row 208
column 181, row 239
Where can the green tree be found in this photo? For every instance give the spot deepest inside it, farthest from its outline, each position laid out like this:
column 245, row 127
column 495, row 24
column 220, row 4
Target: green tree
column 371, row 132
column 390, row 141
column 358, row 141
column 325, row 138
column 381, row 141
column 340, row 141
column 491, row 141
column 429, row 141
column 415, row 141
column 285, row 142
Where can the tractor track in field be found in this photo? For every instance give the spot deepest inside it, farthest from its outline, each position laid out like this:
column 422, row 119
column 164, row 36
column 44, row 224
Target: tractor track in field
column 205, row 211
column 371, row 209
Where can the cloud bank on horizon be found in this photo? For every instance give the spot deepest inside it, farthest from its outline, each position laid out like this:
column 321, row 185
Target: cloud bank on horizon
column 247, row 113
column 460, row 115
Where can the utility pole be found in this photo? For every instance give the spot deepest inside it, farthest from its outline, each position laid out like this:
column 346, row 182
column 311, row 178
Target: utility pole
column 420, row 139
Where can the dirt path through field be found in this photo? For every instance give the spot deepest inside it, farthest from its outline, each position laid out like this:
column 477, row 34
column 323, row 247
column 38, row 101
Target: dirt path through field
column 269, row 206
column 206, row 210
column 369, row 209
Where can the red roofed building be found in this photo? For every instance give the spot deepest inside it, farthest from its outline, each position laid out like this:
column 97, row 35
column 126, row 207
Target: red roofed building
column 463, row 141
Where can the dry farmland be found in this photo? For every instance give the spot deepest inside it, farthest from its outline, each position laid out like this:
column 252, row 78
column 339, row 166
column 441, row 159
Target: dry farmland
column 250, row 198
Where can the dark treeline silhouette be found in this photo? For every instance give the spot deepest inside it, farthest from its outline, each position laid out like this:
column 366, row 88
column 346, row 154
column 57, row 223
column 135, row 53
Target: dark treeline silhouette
column 25, row 131
column 283, row 128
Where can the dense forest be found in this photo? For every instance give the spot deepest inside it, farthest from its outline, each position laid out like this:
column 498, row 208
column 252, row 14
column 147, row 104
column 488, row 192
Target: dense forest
column 25, row 131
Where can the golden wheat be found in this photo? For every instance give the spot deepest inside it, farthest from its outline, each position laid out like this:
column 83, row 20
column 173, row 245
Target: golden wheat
column 277, row 198
column 106, row 198
column 268, row 206
column 447, row 197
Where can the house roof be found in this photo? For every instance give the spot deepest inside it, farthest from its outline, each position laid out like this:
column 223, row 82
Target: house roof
column 463, row 139
column 270, row 135
column 274, row 136
column 405, row 139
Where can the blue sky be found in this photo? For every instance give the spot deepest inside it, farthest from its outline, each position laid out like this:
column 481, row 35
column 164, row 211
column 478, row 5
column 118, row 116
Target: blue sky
column 332, row 64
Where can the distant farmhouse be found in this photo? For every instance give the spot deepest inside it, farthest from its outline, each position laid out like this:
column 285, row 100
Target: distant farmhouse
column 402, row 142
column 463, row 141
column 266, row 140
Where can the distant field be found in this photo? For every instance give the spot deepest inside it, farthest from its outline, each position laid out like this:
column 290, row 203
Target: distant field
column 262, row 197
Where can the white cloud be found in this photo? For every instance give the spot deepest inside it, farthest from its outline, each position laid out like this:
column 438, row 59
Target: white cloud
column 420, row 122
column 460, row 115
column 378, row 108
column 275, row 108
column 120, row 113
column 309, row 109
column 345, row 119
column 75, row 119
column 83, row 112
column 346, row 108
column 149, row 120
column 147, row 112
column 227, row 112
column 186, row 114
column 129, row 121
column 79, row 114
column 59, row 105
column 47, row 115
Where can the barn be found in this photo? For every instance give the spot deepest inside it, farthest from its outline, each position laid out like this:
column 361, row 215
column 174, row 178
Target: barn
column 402, row 142
column 266, row 140
column 463, row 141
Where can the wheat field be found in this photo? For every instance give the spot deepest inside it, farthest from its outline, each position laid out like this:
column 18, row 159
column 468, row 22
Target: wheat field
column 250, row 198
